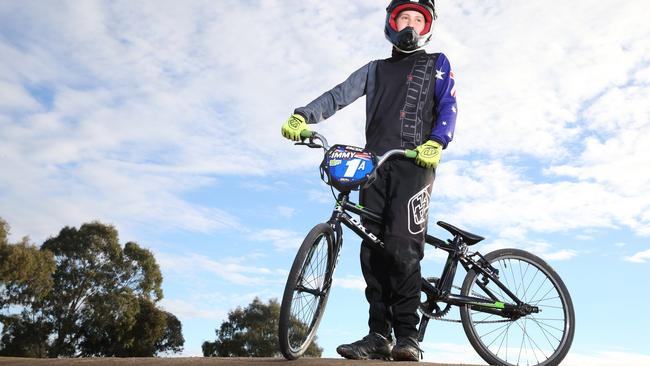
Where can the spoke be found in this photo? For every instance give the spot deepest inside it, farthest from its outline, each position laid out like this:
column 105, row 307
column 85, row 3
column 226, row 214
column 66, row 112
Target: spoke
column 532, row 341
column 522, row 341
column 533, row 351
column 537, row 320
column 539, row 288
column 544, row 296
column 521, row 276
column 547, row 299
column 513, row 277
column 534, row 286
column 309, row 292
column 545, row 332
column 505, row 277
column 532, row 280
column 482, row 320
column 316, row 270
column 506, row 326
column 500, row 344
column 496, row 329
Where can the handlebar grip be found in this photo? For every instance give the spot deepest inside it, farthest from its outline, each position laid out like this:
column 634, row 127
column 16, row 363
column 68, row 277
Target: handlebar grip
column 411, row 154
column 305, row 134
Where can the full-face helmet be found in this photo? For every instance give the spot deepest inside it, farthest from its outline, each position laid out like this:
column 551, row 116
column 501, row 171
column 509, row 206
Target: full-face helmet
column 408, row 40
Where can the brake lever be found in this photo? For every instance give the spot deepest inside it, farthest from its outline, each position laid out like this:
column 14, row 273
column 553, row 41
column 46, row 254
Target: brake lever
column 310, row 144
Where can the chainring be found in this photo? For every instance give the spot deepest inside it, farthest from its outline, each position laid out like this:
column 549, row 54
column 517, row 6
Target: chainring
column 433, row 310
column 430, row 308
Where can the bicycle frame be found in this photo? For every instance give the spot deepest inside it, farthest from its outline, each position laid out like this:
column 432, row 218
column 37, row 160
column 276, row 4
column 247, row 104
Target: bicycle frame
column 441, row 290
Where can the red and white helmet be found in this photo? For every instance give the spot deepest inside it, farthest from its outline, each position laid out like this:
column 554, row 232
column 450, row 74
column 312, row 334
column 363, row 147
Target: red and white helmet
column 408, row 40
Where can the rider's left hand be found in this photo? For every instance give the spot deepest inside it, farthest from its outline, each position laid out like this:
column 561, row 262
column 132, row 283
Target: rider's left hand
column 428, row 154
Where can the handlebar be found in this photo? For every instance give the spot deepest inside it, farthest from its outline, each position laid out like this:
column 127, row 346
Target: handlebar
column 313, row 135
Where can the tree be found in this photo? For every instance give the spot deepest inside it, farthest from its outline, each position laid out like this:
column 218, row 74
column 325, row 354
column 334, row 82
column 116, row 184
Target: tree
column 25, row 279
column 101, row 301
column 251, row 332
column 25, row 272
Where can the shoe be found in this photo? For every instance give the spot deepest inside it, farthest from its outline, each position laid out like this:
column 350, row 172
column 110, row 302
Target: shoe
column 373, row 346
column 406, row 349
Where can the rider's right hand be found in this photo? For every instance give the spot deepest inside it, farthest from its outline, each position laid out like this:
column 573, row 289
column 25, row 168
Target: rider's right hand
column 292, row 128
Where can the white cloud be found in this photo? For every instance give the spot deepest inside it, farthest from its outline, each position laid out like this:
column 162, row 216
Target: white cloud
column 450, row 353
column 151, row 86
column 606, row 358
column 184, row 309
column 560, row 255
column 13, row 97
column 640, row 257
column 463, row 353
column 351, row 282
column 491, row 194
column 281, row 239
column 230, row 269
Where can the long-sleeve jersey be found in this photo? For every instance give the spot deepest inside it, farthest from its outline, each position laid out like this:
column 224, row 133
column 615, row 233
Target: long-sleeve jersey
column 410, row 98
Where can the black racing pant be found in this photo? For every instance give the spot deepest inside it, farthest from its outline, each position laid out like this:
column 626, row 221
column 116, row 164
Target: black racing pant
column 401, row 196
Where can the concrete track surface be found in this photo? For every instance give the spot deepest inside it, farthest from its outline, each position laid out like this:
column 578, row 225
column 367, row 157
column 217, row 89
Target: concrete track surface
column 202, row 361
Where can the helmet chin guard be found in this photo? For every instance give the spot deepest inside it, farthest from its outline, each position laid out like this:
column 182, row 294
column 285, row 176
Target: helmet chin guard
column 408, row 40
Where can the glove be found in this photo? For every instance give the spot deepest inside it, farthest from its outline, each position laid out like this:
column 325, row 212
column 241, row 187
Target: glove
column 428, row 154
column 292, row 128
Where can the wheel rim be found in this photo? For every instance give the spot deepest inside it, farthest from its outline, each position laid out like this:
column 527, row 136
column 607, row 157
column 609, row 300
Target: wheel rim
column 308, row 295
column 530, row 340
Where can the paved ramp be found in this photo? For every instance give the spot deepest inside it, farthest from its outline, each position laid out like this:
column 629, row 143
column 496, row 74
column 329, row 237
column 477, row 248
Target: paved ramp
column 202, row 361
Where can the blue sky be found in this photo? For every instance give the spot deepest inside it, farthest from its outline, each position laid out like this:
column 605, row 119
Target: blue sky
column 162, row 118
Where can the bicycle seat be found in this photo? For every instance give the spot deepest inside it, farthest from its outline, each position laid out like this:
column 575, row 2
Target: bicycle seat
column 468, row 238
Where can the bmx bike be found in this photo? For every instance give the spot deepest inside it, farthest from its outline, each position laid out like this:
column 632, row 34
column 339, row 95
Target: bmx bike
column 514, row 308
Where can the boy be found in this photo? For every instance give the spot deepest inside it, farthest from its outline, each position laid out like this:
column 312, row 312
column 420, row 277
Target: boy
column 410, row 104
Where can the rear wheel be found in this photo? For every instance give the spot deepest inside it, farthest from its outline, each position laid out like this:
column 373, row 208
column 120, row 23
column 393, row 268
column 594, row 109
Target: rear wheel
column 542, row 338
column 306, row 292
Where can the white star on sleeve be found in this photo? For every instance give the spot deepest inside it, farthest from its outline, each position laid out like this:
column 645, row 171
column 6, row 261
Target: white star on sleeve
column 439, row 74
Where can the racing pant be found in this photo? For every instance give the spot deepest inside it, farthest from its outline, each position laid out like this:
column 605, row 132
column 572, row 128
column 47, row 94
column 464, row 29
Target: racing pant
column 401, row 195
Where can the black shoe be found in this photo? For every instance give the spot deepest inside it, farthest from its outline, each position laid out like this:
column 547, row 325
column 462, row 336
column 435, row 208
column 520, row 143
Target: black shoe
column 372, row 346
column 406, row 349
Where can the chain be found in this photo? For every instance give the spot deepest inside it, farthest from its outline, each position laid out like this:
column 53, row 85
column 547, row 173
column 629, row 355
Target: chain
column 442, row 319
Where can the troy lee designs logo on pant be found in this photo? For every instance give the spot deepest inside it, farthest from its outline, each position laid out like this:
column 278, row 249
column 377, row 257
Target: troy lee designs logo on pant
column 418, row 208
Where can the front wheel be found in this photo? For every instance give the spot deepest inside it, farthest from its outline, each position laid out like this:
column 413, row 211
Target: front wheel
column 306, row 292
column 541, row 338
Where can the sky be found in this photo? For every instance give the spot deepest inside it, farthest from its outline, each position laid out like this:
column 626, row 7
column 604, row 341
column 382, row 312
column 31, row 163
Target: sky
column 163, row 119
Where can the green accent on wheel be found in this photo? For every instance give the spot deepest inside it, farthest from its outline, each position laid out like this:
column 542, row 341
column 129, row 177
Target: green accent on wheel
column 495, row 305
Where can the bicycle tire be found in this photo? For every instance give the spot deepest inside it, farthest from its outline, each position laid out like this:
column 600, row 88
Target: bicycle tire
column 298, row 325
column 545, row 340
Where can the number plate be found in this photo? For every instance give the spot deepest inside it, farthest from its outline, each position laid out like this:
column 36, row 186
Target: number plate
column 347, row 167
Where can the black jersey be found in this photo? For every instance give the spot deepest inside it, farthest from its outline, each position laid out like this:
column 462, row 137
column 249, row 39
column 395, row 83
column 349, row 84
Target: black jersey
column 401, row 116
column 410, row 98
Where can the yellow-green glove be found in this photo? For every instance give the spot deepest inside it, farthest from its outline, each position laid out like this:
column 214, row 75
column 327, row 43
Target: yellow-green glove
column 292, row 128
column 428, row 154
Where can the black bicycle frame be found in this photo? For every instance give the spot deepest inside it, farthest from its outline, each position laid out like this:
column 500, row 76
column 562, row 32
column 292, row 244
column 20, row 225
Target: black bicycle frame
column 340, row 215
column 457, row 254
